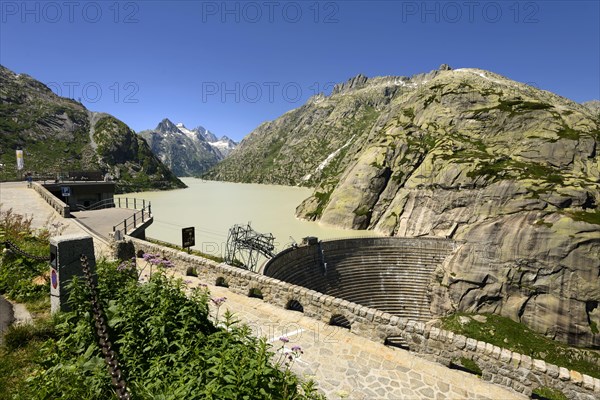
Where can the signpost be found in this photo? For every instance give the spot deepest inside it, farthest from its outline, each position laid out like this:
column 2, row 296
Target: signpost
column 188, row 238
column 66, row 192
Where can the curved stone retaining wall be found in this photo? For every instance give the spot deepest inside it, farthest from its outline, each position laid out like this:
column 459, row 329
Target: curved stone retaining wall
column 390, row 274
column 498, row 365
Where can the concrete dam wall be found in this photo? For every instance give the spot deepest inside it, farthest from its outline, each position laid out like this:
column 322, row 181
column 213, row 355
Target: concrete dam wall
column 390, row 274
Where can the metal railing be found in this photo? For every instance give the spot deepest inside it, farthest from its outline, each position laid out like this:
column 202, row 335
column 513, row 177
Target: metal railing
column 132, row 203
column 102, row 204
column 131, row 223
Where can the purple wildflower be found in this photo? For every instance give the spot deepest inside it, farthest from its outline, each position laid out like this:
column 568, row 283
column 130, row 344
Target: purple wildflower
column 297, row 349
column 218, row 301
column 284, row 339
column 126, row 265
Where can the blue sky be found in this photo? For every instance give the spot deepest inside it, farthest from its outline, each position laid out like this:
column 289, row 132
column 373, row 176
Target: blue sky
column 229, row 66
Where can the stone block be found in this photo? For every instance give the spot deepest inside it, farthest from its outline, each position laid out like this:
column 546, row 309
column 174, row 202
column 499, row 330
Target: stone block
column 526, row 362
column 505, row 355
column 370, row 315
column 420, row 327
column 481, row 347
column 588, row 382
column 563, row 374
column 378, row 316
column 402, row 323
column 460, row 341
column 449, row 336
column 515, row 360
column 576, row 377
column 552, row 371
column 496, row 352
column 471, row 344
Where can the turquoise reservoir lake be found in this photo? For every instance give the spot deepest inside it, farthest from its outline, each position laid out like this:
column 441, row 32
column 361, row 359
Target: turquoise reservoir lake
column 214, row 207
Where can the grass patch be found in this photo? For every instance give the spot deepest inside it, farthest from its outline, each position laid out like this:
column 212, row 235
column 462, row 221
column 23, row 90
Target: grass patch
column 18, row 336
column 509, row 168
column 17, row 364
column 591, row 217
column 547, row 393
column 506, row 333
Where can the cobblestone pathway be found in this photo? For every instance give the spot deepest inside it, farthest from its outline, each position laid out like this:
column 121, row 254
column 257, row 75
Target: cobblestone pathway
column 347, row 366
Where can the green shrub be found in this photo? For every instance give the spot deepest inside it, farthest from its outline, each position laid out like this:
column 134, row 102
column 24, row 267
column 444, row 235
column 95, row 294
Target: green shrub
column 22, row 278
column 168, row 347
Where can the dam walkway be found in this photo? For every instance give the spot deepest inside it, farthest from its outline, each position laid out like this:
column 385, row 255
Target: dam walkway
column 344, row 365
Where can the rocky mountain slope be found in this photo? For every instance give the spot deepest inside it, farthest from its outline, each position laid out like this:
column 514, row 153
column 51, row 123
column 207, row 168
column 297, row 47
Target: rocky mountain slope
column 187, row 152
column 58, row 135
column 510, row 172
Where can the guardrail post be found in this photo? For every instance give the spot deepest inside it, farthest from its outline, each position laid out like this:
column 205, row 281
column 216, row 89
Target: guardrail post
column 134, row 222
column 119, row 202
column 126, row 202
column 143, row 209
column 135, row 203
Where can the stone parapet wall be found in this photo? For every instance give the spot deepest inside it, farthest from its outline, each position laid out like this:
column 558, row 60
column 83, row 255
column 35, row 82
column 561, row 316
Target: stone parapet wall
column 501, row 366
column 63, row 209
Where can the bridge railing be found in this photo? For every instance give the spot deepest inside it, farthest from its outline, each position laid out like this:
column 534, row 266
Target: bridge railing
column 100, row 205
column 138, row 219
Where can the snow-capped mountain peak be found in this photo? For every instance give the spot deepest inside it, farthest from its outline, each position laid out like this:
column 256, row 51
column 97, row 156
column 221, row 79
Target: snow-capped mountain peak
column 187, row 151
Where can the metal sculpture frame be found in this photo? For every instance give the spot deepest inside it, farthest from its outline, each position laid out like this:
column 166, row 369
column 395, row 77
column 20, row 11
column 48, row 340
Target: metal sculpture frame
column 244, row 245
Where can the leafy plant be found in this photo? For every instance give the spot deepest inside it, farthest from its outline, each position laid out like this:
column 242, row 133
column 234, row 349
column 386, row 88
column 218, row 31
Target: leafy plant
column 167, row 344
column 22, row 278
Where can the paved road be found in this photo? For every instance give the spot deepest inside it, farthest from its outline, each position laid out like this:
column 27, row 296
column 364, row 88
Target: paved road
column 25, row 201
column 101, row 222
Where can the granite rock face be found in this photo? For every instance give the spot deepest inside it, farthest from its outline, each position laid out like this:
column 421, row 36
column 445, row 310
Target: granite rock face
column 509, row 171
